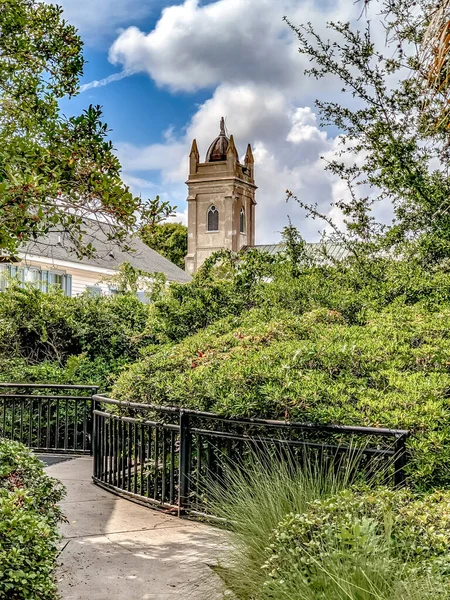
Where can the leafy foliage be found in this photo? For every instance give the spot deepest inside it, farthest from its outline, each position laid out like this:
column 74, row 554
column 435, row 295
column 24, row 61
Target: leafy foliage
column 29, row 518
column 304, row 533
column 417, row 530
column 54, row 171
column 169, row 239
column 49, row 337
column 394, row 141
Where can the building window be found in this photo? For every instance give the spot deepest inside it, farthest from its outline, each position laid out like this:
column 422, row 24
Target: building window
column 94, row 290
column 213, row 219
column 242, row 221
column 38, row 278
column 32, row 276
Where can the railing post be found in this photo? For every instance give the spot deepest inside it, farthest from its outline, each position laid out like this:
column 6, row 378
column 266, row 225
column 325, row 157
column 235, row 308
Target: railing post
column 400, row 459
column 91, row 426
column 185, row 461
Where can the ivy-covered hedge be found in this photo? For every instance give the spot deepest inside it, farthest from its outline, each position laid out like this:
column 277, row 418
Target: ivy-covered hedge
column 29, row 518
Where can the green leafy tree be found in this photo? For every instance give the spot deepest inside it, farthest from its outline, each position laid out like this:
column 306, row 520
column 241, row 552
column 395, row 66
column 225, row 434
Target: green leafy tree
column 54, row 171
column 169, row 239
column 394, row 140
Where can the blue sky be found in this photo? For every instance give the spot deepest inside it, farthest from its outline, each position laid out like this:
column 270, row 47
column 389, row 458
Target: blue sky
column 180, row 65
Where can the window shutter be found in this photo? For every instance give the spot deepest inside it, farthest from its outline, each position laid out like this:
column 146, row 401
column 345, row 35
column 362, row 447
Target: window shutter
column 68, row 285
column 44, row 281
column 4, row 273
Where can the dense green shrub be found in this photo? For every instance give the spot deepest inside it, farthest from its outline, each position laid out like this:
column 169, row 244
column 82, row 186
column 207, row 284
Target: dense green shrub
column 47, row 337
column 29, row 518
column 393, row 371
column 414, row 530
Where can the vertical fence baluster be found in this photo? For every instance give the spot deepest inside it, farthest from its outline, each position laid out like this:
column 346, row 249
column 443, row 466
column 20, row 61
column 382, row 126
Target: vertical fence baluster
column 116, row 448
column 172, row 468
column 39, row 427
column 95, row 452
column 136, row 455
column 30, row 423
column 75, row 425
column 123, row 456
column 57, row 424
column 142, row 459
column 47, row 433
column 130, row 455
column 163, row 466
column 13, row 418
column 66, row 425
column 21, row 421
column 103, row 450
column 156, row 462
column 185, row 461
column 84, row 425
column 97, row 441
column 149, row 458
column 111, row 452
column 4, row 418
column 198, row 444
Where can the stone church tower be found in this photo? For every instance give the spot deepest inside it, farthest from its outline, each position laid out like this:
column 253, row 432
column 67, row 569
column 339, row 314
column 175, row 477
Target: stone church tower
column 221, row 200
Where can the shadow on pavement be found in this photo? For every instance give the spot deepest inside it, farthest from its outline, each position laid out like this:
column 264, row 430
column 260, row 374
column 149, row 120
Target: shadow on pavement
column 53, row 459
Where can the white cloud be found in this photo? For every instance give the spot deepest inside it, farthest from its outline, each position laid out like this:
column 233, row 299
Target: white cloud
column 282, row 159
column 196, row 46
column 244, row 51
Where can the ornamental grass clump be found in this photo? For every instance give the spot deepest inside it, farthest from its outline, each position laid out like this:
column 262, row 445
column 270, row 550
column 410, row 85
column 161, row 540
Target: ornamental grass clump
column 317, row 534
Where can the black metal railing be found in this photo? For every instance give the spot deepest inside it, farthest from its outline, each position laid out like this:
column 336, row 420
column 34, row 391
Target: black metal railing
column 48, row 417
column 169, row 456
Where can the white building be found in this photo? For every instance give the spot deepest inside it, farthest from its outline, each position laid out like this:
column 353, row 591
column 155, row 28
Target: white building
column 49, row 261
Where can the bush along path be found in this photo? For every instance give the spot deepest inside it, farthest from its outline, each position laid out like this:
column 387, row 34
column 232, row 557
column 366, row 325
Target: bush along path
column 302, row 535
column 29, row 518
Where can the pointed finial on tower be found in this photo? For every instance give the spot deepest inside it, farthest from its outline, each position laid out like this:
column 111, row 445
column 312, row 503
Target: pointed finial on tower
column 194, row 148
column 249, row 160
column 232, row 156
column 194, row 157
column 222, row 126
column 232, row 147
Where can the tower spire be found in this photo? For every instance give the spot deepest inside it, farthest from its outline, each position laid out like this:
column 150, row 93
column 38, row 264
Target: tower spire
column 194, row 158
column 222, row 126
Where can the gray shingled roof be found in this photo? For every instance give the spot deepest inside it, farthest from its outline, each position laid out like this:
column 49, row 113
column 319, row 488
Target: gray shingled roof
column 108, row 254
column 316, row 250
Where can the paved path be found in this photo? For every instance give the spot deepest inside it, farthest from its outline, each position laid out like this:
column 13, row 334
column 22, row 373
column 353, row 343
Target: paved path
column 116, row 549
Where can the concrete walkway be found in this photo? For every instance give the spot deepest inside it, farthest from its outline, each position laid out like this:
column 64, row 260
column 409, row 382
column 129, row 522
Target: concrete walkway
column 116, row 549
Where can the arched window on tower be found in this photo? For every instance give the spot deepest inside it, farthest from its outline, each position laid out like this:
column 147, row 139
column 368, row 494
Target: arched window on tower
column 242, row 221
column 213, row 219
